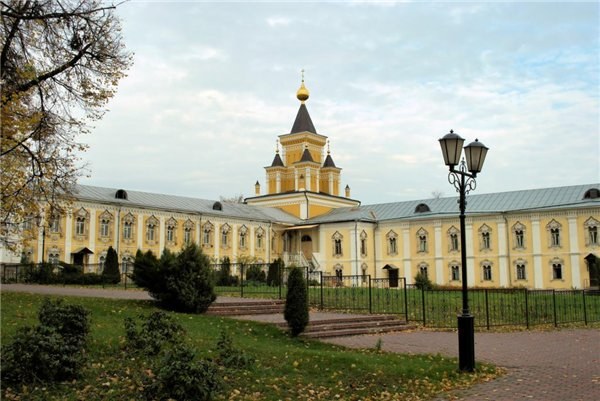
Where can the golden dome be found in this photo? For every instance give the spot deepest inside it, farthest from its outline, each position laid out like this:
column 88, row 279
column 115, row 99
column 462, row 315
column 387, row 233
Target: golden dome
column 302, row 93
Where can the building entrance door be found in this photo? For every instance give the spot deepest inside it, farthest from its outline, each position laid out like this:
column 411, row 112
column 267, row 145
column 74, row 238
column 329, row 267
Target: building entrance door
column 307, row 248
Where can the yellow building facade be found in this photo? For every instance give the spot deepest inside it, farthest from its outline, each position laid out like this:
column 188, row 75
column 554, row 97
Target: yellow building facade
column 538, row 238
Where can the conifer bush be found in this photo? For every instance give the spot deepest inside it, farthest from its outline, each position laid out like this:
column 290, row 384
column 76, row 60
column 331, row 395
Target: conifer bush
column 180, row 282
column 111, row 273
column 51, row 351
column 296, row 302
column 274, row 273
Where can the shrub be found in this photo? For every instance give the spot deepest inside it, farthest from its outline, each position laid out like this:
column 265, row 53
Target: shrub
column 157, row 330
column 296, row 302
column 229, row 356
column 255, row 273
column 179, row 282
column 111, row 273
column 51, row 351
column 274, row 273
column 423, row 282
column 180, row 377
column 224, row 274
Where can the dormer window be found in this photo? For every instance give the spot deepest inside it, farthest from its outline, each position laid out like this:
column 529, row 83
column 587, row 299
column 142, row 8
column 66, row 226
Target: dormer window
column 592, row 193
column 121, row 194
column 217, row 206
column 422, row 208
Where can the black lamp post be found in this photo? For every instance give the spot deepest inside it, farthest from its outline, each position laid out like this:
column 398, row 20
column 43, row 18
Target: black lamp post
column 463, row 180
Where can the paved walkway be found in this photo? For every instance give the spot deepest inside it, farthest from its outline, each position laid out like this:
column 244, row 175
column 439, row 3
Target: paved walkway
column 561, row 365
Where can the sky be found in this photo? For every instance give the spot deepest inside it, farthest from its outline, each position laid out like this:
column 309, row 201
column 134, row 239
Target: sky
column 214, row 84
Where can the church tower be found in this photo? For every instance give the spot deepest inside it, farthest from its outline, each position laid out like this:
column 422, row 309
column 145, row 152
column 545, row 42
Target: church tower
column 303, row 180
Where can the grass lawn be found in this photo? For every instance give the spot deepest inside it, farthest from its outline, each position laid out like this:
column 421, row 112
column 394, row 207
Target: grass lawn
column 284, row 368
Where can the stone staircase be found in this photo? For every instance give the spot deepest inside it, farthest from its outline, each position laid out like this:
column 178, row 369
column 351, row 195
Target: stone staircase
column 250, row 307
column 352, row 326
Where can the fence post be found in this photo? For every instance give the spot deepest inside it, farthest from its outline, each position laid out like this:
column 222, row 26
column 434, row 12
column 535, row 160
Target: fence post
column 370, row 300
column 527, row 308
column 554, row 306
column 280, row 277
column 321, row 281
column 584, row 308
column 242, row 280
column 423, row 305
column 405, row 300
column 487, row 310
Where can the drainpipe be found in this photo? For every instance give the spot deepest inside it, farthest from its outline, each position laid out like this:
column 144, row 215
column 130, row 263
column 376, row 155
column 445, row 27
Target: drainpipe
column 356, row 247
column 510, row 282
column 375, row 248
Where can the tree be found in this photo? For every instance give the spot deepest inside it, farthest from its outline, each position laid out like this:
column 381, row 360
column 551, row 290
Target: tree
column 111, row 273
column 181, row 282
column 60, row 62
column 296, row 302
column 239, row 198
column 274, row 273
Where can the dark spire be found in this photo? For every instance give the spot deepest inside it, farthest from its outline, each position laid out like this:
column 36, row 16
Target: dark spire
column 303, row 121
column 306, row 157
column 277, row 162
column 328, row 161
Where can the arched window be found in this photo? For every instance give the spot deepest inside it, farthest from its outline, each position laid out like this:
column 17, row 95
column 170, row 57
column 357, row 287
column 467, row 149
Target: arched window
column 485, row 237
column 519, row 235
column 486, row 271
column 171, row 230
column 591, row 228
column 422, row 236
column 592, row 193
column 121, row 194
column 453, row 242
column 363, row 244
column 521, row 269
column 557, row 268
column 243, row 237
column 392, row 241
column 128, row 223
column 422, row 208
column 217, row 206
column 260, row 233
column 225, row 235
column 424, row 269
column 81, row 221
column 207, row 230
column 454, row 271
column 554, row 230
column 337, row 244
column 151, row 228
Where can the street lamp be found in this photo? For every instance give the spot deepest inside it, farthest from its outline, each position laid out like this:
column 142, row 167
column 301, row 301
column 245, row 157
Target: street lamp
column 463, row 179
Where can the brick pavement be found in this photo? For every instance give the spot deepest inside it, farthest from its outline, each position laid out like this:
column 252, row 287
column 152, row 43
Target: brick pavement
column 559, row 365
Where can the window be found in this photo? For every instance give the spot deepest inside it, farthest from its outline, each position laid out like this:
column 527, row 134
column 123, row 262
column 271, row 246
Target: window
column 53, row 258
column 80, row 226
column 127, row 231
column 260, row 233
column 455, row 272
column 225, row 235
column 363, row 244
column 337, row 244
column 150, row 232
column 453, row 244
column 339, row 275
column 487, row 271
column 364, row 269
column 243, row 237
column 171, row 230
column 104, row 224
column 80, row 221
column 484, row 237
column 170, row 234
column 392, row 239
column 521, row 273
column 424, row 270
column 554, row 228
column 101, row 261
column 127, row 263
column 187, row 235
column 206, row 234
column 422, row 240
column 591, row 228
column 55, row 224
column 557, row 271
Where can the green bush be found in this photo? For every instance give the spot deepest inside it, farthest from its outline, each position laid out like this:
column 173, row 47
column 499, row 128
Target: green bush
column 51, row 351
column 296, row 302
column 224, row 273
column 179, row 282
column 229, row 356
column 274, row 273
column 255, row 273
column 111, row 273
column 157, row 330
column 423, row 282
column 180, row 377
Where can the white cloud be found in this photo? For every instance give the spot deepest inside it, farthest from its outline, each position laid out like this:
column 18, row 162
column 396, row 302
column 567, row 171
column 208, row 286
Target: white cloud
column 274, row 22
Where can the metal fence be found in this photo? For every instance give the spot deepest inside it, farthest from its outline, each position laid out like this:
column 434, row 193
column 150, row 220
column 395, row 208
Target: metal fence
column 437, row 307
